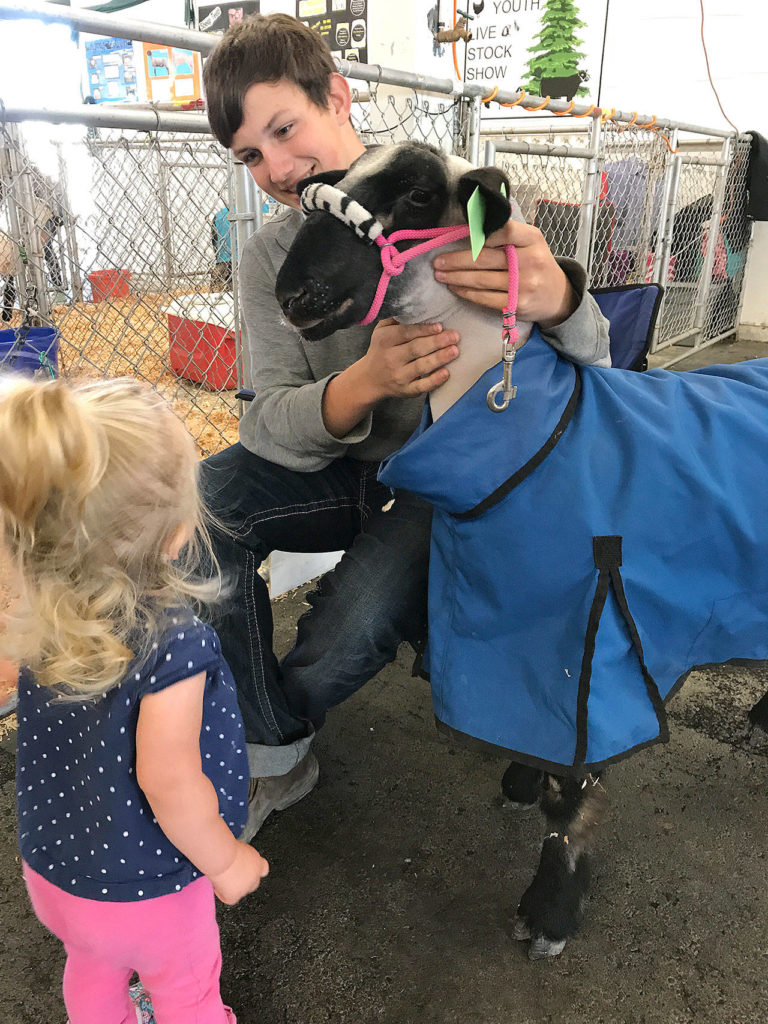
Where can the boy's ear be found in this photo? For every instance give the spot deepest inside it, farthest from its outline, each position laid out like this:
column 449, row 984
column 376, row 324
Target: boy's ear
column 324, row 178
column 489, row 180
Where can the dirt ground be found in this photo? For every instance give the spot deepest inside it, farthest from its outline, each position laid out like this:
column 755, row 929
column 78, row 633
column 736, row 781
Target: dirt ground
column 394, row 884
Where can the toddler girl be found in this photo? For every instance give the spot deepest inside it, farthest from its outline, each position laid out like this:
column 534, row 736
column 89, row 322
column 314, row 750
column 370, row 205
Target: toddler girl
column 132, row 777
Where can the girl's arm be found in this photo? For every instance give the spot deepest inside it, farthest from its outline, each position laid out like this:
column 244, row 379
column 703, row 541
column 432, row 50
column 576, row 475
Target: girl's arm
column 182, row 798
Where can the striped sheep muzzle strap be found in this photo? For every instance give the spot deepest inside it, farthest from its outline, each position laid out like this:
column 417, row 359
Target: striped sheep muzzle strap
column 328, row 199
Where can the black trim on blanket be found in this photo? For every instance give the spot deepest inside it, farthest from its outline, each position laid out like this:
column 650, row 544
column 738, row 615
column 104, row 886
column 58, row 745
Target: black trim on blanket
column 607, row 555
column 509, row 485
column 576, row 771
column 606, row 551
column 553, row 767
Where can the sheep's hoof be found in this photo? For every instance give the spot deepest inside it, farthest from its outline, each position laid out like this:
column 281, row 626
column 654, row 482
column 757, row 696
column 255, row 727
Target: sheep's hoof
column 541, row 947
column 517, row 806
column 521, row 931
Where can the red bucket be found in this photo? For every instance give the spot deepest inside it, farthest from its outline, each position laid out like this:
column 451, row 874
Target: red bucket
column 108, row 284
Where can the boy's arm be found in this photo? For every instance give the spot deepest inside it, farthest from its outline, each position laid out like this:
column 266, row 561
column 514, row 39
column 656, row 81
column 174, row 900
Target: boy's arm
column 302, row 417
column 552, row 293
column 182, row 798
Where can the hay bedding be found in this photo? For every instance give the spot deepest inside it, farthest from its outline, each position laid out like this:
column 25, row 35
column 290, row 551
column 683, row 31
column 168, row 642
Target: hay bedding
column 128, row 337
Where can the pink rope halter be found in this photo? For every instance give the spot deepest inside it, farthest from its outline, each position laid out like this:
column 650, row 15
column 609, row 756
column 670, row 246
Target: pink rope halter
column 329, row 199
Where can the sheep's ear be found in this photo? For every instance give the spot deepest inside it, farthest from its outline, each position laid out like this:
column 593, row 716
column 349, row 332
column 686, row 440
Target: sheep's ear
column 490, row 181
column 325, row 178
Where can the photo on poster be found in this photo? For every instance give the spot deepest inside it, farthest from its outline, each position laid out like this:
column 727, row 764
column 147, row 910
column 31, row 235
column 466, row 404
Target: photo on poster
column 218, row 17
column 111, row 70
column 172, row 74
column 342, row 23
column 547, row 47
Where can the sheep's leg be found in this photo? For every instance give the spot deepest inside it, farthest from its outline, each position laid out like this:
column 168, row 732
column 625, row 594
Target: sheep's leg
column 522, row 786
column 758, row 714
column 551, row 908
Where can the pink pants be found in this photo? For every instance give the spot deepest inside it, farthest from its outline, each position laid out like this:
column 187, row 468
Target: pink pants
column 172, row 941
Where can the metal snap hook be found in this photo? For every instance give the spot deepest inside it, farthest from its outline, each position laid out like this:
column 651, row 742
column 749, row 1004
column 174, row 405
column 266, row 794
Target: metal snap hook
column 507, row 396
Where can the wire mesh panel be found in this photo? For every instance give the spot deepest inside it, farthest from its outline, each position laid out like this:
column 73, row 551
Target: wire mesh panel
column 693, row 208
column 388, row 114
column 549, row 191
column 649, row 216
column 632, row 166
column 142, row 282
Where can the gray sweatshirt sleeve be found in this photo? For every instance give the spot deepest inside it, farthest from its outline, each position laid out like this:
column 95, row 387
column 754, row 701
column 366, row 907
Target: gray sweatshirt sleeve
column 583, row 337
column 284, row 422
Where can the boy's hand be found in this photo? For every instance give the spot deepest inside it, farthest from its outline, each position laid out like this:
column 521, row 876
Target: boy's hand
column 545, row 295
column 405, row 359
column 244, row 875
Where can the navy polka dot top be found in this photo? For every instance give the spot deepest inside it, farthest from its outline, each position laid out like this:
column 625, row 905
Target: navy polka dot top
column 84, row 823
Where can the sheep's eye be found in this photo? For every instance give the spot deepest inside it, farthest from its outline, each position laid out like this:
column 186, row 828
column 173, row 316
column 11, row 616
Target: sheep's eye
column 419, row 196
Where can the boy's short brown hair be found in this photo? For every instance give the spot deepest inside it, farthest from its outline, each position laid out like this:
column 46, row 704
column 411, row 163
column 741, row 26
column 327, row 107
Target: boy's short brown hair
column 263, row 48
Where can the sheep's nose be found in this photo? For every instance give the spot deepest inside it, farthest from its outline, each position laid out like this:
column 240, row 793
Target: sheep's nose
column 290, row 299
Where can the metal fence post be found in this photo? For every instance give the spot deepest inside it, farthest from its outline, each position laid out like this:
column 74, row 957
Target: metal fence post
column 713, row 233
column 590, row 198
column 667, row 210
column 245, row 217
column 22, row 215
column 165, row 215
column 69, row 240
column 473, row 132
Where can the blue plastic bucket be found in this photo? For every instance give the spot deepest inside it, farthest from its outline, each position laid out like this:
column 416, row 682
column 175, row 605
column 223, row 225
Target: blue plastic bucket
column 30, row 350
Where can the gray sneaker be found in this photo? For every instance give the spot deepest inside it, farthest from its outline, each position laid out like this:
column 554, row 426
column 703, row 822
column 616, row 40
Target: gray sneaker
column 276, row 792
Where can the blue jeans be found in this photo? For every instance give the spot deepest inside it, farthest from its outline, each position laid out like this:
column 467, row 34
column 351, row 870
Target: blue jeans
column 375, row 598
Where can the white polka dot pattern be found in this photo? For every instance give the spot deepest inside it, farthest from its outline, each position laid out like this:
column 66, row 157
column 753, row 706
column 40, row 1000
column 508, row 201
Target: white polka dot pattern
column 84, row 823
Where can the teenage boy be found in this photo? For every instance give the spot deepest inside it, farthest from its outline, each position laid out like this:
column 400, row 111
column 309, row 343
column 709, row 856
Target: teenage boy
column 303, row 477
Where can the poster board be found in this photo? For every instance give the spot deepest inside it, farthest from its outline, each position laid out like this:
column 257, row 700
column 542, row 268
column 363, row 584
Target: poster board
column 218, row 17
column 547, row 47
column 342, row 23
column 172, row 74
column 111, row 70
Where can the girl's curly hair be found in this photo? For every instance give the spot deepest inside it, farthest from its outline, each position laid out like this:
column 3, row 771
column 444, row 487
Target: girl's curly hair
column 96, row 483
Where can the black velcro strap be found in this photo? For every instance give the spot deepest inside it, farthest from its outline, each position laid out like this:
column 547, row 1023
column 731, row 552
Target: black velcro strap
column 606, row 552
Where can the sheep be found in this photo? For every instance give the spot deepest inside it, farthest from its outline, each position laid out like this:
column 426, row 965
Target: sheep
column 563, row 528
column 566, row 85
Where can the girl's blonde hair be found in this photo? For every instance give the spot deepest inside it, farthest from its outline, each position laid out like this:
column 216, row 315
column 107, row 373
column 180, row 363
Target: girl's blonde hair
column 95, row 483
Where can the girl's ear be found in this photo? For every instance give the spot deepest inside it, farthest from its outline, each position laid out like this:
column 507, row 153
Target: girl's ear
column 489, row 180
column 324, row 178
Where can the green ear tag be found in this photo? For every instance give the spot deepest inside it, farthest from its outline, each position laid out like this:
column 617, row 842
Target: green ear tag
column 504, row 190
column 475, row 218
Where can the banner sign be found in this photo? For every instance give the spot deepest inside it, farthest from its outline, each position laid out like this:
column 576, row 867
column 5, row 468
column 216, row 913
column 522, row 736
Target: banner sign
column 547, row 47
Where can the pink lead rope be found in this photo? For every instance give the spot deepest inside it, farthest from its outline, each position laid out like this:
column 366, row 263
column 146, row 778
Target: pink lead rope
column 393, row 263
column 327, row 198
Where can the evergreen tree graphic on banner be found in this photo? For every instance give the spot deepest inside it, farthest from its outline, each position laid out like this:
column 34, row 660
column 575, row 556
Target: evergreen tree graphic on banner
column 555, row 55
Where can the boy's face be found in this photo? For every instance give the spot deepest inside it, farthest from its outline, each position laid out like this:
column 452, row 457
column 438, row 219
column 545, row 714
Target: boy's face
column 285, row 137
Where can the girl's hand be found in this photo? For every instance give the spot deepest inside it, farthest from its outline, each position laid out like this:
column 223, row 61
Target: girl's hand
column 244, row 875
column 407, row 359
column 545, row 295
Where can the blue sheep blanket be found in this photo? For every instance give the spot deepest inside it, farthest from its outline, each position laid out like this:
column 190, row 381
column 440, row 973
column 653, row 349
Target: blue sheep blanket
column 590, row 545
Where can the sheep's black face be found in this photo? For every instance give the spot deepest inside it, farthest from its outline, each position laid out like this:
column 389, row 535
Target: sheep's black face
column 330, row 276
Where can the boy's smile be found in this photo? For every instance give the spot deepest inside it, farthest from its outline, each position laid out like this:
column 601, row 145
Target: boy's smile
column 285, row 137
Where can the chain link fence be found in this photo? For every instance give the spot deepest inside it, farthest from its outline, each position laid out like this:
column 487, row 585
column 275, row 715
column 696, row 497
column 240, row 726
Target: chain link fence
column 633, row 208
column 126, row 241
column 134, row 267
column 128, row 248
